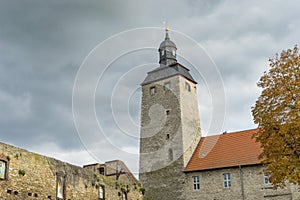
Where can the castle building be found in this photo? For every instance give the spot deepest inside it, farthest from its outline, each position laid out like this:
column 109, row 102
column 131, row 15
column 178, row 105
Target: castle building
column 176, row 162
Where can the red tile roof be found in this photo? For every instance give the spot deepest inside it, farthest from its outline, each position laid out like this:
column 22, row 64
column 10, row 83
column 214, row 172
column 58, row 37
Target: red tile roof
column 225, row 150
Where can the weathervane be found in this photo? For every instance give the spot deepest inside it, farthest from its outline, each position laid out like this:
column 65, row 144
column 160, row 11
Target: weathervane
column 167, row 27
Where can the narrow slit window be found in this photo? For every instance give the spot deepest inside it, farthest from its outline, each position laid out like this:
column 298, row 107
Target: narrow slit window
column 187, row 87
column 170, row 154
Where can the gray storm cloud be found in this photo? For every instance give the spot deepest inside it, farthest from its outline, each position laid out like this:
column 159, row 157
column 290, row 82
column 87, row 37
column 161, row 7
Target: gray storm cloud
column 43, row 43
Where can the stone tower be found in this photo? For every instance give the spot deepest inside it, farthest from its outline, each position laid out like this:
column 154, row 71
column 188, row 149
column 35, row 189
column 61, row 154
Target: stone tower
column 170, row 125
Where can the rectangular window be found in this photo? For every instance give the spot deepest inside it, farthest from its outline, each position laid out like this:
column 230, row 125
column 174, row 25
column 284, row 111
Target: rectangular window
column 187, row 87
column 167, row 86
column 124, row 195
column 101, row 170
column 227, row 180
column 152, row 90
column 101, row 192
column 196, row 182
column 60, row 185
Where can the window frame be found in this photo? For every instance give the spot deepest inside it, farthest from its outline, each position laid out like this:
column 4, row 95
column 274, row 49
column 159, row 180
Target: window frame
column 226, row 180
column 196, row 183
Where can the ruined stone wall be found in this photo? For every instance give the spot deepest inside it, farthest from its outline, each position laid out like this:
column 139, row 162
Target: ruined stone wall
column 33, row 176
column 211, row 185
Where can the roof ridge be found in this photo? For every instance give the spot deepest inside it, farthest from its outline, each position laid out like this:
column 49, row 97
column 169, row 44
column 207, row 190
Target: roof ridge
column 226, row 133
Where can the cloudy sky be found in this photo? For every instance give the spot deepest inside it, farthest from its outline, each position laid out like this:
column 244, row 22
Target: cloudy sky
column 45, row 44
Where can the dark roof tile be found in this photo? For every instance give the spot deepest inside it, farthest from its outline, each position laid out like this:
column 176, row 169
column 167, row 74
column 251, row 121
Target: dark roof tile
column 164, row 72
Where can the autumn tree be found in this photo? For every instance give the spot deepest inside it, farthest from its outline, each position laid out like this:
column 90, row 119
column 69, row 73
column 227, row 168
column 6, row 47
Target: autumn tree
column 277, row 113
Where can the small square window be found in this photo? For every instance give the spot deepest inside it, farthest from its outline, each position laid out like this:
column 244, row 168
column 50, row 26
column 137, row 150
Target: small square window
column 152, row 90
column 196, row 182
column 227, row 180
column 167, row 86
column 187, row 87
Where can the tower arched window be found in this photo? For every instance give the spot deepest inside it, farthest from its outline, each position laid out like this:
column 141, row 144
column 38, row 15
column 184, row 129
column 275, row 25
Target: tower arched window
column 173, row 52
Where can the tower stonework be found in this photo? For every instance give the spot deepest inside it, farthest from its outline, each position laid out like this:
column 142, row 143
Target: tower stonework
column 170, row 125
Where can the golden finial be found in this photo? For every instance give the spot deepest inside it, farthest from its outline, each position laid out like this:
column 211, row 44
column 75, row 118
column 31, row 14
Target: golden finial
column 167, row 27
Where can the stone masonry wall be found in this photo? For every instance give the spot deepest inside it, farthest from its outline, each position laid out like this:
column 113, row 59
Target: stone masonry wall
column 170, row 130
column 211, row 185
column 190, row 119
column 33, row 176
